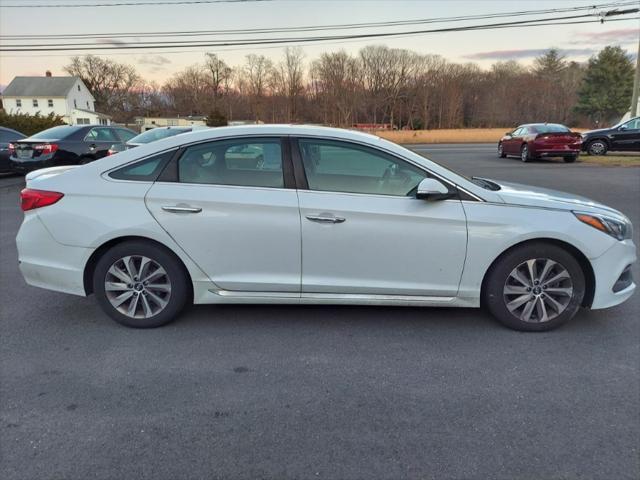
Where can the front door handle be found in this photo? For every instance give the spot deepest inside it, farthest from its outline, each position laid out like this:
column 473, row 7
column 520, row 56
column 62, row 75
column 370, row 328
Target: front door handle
column 325, row 219
column 181, row 209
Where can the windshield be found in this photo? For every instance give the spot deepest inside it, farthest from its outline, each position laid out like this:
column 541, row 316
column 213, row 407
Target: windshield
column 157, row 134
column 55, row 133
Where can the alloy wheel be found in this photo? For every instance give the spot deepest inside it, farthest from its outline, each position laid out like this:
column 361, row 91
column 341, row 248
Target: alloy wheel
column 137, row 286
column 524, row 156
column 500, row 149
column 538, row 290
column 597, row 148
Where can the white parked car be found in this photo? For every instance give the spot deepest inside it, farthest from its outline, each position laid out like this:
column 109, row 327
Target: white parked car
column 295, row 214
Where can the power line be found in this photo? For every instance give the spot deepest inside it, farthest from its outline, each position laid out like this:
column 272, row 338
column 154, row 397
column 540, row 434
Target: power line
column 324, row 42
column 316, row 27
column 127, row 4
column 267, row 41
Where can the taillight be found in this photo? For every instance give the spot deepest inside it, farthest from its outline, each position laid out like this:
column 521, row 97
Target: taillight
column 46, row 147
column 30, row 199
column 11, row 148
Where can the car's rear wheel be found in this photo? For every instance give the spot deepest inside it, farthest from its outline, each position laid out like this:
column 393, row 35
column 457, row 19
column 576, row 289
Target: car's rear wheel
column 140, row 284
column 535, row 287
column 597, row 147
column 501, row 153
column 524, row 153
column 570, row 159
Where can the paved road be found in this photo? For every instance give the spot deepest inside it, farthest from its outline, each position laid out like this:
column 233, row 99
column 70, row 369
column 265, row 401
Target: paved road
column 321, row 392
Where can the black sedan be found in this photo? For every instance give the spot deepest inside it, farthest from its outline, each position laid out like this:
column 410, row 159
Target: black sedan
column 624, row 137
column 65, row 145
column 7, row 137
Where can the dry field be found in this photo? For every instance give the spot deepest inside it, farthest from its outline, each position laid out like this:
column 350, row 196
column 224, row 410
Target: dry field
column 462, row 135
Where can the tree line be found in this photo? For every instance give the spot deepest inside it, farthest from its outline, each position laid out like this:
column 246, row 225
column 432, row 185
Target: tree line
column 378, row 85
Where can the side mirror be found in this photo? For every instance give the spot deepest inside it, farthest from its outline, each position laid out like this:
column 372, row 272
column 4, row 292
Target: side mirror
column 432, row 189
column 508, row 134
column 623, row 128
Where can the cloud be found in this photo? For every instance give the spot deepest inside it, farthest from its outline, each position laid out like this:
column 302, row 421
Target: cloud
column 156, row 60
column 526, row 53
column 617, row 36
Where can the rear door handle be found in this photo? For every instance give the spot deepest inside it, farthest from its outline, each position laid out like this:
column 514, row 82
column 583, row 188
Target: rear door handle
column 325, row 219
column 181, row 209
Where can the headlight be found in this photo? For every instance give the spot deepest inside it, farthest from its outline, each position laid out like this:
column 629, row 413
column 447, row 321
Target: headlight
column 616, row 227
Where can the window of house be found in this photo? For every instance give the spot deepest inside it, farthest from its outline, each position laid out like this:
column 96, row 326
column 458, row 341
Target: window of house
column 78, row 87
column 247, row 162
column 18, row 103
column 75, row 103
column 88, row 104
column 344, row 167
column 50, row 103
column 82, row 121
column 103, row 121
column 35, row 102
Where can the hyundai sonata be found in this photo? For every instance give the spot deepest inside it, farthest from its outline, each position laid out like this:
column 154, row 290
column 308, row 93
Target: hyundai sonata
column 295, row 214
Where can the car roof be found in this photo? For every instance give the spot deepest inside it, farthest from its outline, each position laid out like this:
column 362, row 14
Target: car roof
column 541, row 123
column 11, row 130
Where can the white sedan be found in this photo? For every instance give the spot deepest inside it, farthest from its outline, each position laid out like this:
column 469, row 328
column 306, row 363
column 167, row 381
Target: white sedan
column 295, row 214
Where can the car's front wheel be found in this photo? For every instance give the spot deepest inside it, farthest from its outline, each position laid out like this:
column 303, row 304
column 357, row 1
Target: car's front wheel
column 140, row 284
column 534, row 287
column 597, row 147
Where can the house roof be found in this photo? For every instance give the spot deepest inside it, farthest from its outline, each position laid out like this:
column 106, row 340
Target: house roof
column 39, row 87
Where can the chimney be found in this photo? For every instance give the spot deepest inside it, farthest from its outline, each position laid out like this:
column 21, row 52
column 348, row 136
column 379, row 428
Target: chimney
column 47, row 73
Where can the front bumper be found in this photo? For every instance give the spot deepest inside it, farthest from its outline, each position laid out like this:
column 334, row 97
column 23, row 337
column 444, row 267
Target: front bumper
column 45, row 263
column 608, row 269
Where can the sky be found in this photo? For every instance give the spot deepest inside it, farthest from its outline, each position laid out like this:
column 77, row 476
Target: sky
column 578, row 42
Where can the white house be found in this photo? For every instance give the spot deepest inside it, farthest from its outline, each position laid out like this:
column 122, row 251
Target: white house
column 64, row 96
column 148, row 123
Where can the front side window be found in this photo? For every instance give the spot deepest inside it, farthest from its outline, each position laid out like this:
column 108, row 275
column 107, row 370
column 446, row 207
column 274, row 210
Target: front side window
column 242, row 162
column 633, row 124
column 124, row 134
column 35, row 102
column 343, row 167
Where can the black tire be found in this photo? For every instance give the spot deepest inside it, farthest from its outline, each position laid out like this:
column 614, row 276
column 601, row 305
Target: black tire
column 176, row 276
column 501, row 153
column 597, row 147
column 570, row 159
column 524, row 153
column 495, row 298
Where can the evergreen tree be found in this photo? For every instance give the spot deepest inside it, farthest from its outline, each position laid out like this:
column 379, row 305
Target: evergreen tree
column 605, row 94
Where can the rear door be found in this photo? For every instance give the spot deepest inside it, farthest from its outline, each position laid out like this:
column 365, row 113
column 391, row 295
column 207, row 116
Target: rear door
column 232, row 206
column 98, row 140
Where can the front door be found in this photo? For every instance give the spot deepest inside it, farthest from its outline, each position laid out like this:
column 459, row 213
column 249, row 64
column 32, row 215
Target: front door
column 627, row 137
column 363, row 230
column 231, row 213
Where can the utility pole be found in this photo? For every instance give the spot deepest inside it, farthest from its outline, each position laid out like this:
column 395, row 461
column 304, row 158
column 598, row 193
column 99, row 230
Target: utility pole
column 636, row 85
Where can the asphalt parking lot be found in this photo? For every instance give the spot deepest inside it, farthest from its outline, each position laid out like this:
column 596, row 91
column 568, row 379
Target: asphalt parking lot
column 288, row 392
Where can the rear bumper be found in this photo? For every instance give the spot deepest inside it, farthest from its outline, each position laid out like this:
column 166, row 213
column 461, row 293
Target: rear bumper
column 27, row 166
column 614, row 283
column 48, row 264
column 556, row 152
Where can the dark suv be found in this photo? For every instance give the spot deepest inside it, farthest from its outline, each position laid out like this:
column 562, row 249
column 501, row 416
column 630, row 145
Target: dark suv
column 65, row 145
column 625, row 136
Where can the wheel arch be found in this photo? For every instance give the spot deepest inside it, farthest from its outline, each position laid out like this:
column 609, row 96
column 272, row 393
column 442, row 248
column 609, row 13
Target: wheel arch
column 604, row 139
column 583, row 261
column 90, row 266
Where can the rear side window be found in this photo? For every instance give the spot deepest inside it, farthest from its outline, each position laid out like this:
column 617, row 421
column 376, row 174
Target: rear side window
column 101, row 135
column 552, row 128
column 146, row 170
column 246, row 162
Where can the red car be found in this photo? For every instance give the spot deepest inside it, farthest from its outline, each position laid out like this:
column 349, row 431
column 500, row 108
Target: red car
column 536, row 140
